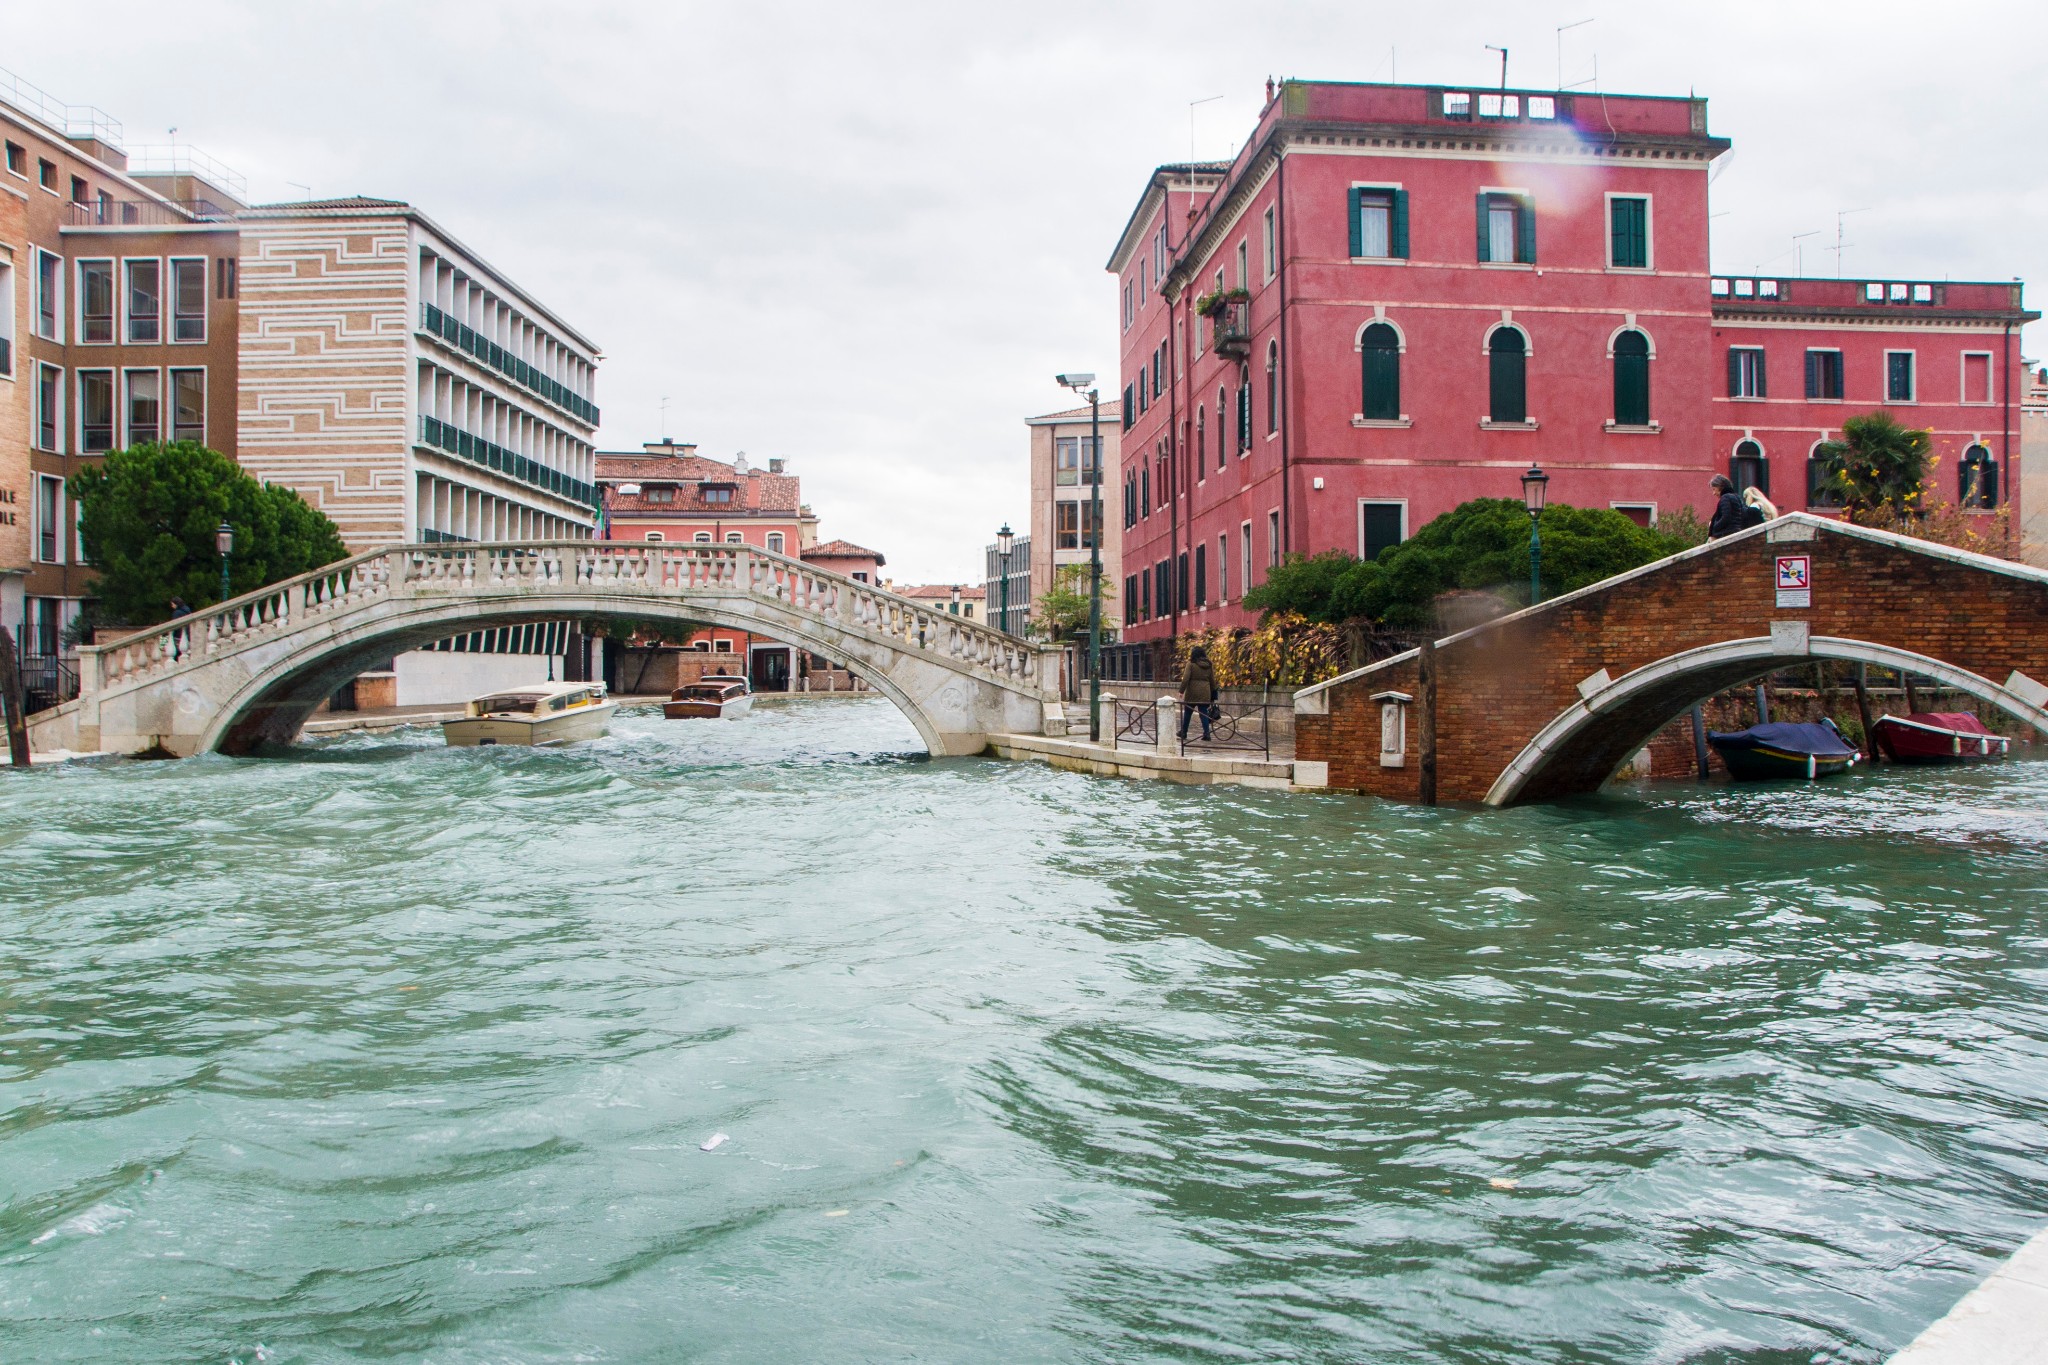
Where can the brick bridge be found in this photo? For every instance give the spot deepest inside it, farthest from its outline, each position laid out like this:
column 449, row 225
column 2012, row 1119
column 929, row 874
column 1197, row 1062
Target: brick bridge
column 1552, row 700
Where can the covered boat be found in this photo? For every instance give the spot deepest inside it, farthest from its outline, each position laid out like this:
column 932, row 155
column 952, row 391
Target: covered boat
column 714, row 694
column 1938, row 737
column 1783, row 749
column 544, row 713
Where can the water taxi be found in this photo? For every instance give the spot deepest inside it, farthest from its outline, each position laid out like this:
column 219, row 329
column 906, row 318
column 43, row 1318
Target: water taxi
column 714, row 694
column 543, row 713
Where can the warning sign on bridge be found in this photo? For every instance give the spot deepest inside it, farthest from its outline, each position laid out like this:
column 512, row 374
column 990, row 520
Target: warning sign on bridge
column 1795, row 580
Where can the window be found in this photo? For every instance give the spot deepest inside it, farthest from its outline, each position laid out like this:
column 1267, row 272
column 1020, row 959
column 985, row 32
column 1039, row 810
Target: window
column 1976, row 376
column 1144, row 399
column 1643, row 514
column 6, row 317
column 1507, row 357
column 659, row 492
column 1748, row 468
column 655, row 538
column 1746, row 372
column 1222, row 410
column 95, row 411
column 1632, row 379
column 1244, row 273
column 1222, row 569
column 1182, row 601
column 96, row 302
column 1201, row 597
column 17, row 159
column 145, row 404
column 1130, row 407
column 1542, row 106
column 81, row 193
column 46, row 174
column 1244, row 557
column 717, row 493
column 49, row 407
column 1131, row 596
column 188, row 406
column 1272, row 387
column 1824, row 375
column 1244, row 414
column 188, row 300
column 1273, row 537
column 1145, row 595
column 1500, row 106
column 1628, row 232
column 1381, row 526
column 1202, row 442
column 721, row 646
column 734, row 538
column 1066, row 526
column 1379, row 222
column 1272, row 244
column 49, row 519
column 859, row 575
column 49, row 296
column 1978, row 478
column 1457, row 104
column 775, row 542
column 145, row 302
column 1819, row 493
column 1898, row 377
column 1379, row 349
column 1145, row 491
column 701, row 538
column 1507, row 227
column 1127, row 305
column 225, row 285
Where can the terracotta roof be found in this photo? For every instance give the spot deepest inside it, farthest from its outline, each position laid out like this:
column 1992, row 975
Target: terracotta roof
column 942, row 592
column 351, row 201
column 842, row 549
column 1111, row 409
column 754, row 491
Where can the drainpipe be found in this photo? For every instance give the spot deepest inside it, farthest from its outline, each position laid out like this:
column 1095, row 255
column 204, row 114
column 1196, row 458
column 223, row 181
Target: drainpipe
column 1173, row 464
column 1286, row 355
column 2005, row 409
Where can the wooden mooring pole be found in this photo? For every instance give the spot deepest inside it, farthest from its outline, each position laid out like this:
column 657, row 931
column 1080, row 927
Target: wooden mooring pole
column 14, row 699
column 1699, row 740
column 1870, row 754
column 1425, row 687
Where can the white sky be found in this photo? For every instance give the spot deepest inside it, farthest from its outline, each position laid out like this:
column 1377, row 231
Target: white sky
column 866, row 236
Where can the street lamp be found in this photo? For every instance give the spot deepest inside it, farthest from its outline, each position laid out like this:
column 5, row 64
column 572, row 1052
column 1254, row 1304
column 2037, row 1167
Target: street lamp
column 1004, row 540
column 1078, row 383
column 1534, row 483
column 224, row 541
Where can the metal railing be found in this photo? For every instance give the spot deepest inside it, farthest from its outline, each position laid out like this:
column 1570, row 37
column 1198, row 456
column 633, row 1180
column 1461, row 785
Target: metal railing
column 1234, row 727
column 144, row 212
column 482, row 349
column 446, row 436
column 46, row 680
column 1136, row 722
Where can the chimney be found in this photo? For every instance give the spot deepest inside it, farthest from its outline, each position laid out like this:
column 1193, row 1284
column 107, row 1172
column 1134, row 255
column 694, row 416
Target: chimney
column 777, row 465
column 739, row 464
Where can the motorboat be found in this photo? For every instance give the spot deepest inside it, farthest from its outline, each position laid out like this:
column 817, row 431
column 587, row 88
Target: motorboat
column 1784, row 749
column 713, row 695
column 542, row 714
column 1939, row 737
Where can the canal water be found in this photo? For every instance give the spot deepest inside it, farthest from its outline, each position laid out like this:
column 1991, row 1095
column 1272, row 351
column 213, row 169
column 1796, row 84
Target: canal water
column 384, row 1050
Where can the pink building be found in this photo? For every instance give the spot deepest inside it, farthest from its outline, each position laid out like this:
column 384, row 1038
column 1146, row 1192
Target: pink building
column 1398, row 298
column 857, row 562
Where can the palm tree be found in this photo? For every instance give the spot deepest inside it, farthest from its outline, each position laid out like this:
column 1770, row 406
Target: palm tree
column 1877, row 463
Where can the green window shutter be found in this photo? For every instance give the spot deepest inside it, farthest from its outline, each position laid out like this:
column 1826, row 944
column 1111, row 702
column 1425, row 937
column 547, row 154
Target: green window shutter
column 1525, row 246
column 1763, row 387
column 1734, row 373
column 1357, row 242
column 1400, row 224
column 1813, row 374
column 1481, row 213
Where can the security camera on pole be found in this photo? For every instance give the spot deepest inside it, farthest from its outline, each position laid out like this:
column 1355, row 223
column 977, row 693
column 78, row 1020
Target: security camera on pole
column 1092, row 463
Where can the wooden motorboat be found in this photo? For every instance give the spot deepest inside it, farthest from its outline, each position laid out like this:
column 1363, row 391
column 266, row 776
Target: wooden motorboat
column 714, row 694
column 1938, row 737
column 542, row 714
column 1784, row 749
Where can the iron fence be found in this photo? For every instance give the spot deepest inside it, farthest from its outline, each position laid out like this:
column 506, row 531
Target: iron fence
column 1233, row 727
column 46, row 681
column 1136, row 722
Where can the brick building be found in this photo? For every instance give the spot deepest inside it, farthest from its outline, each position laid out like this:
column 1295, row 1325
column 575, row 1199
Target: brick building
column 1061, row 501
column 1397, row 298
column 958, row 599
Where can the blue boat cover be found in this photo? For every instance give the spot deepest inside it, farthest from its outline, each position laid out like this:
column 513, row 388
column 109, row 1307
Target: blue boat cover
column 1792, row 737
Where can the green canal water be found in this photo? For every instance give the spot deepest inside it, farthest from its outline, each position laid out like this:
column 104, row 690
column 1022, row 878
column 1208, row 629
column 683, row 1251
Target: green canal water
column 389, row 1051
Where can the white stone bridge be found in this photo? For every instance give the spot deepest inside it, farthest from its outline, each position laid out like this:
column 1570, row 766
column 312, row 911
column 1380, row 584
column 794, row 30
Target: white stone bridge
column 248, row 672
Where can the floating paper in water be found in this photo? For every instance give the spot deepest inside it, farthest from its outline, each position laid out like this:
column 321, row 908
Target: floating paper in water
column 835, row 1213
column 716, row 1140
column 1502, row 1184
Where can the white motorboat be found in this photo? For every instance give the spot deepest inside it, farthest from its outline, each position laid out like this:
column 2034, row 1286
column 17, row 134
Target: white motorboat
column 544, row 713
column 714, row 694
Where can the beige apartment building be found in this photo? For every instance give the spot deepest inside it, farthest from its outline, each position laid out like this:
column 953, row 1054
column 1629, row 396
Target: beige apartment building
column 1061, row 468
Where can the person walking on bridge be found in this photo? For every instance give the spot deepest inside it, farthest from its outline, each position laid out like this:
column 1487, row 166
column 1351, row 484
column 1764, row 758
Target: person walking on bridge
column 1197, row 692
column 1729, row 514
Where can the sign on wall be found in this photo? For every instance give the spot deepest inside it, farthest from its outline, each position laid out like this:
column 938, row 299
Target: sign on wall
column 1795, row 580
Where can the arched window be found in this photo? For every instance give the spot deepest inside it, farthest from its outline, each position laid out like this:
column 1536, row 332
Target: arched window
column 1202, row 437
column 1222, row 424
column 1978, row 475
column 1244, row 409
column 1272, row 389
column 775, row 542
column 1507, row 353
column 1380, row 349
column 1631, row 379
column 1748, row 468
column 1818, row 494
column 655, row 537
column 702, row 538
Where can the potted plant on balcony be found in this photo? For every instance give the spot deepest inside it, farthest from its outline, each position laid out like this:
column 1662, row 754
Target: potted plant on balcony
column 1213, row 303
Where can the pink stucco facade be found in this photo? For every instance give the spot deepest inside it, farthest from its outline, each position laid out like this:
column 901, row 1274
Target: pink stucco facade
column 1435, row 226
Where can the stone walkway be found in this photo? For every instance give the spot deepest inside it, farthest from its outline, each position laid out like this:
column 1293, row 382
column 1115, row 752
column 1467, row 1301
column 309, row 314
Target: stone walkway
column 2003, row 1321
column 1197, row 768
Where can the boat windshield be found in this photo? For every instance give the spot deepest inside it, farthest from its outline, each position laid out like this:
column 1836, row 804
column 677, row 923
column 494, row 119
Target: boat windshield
column 495, row 705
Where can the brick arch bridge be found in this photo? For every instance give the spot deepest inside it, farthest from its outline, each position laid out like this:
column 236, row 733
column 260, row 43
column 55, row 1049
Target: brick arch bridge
column 249, row 671
column 1552, row 700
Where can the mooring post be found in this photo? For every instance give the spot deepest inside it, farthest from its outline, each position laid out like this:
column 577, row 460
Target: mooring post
column 14, row 699
column 1906, row 689
column 1870, row 754
column 1425, row 689
column 1763, row 705
column 1699, row 739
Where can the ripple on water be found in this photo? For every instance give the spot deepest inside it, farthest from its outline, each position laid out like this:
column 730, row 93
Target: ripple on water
column 385, row 1048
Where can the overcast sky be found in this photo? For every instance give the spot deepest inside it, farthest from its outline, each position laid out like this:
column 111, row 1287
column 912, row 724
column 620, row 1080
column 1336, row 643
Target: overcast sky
column 866, row 236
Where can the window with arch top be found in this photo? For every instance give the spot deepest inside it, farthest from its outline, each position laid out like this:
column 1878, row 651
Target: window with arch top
column 1632, row 379
column 1380, row 364
column 1507, row 356
column 1978, row 475
column 1819, row 490
column 1222, row 408
column 1748, row 468
column 1272, row 387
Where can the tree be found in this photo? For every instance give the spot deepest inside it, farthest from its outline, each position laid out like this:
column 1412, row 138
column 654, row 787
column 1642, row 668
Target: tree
column 148, row 514
column 1064, row 606
column 1878, row 463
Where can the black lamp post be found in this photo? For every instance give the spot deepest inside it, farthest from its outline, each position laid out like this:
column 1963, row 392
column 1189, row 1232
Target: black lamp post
column 1004, row 540
column 224, row 541
column 1534, row 483
column 1093, row 456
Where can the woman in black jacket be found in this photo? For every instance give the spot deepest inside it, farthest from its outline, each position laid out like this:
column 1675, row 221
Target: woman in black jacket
column 1197, row 691
column 1729, row 513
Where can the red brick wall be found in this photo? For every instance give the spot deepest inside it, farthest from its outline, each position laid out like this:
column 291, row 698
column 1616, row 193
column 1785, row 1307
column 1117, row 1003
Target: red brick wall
column 1500, row 685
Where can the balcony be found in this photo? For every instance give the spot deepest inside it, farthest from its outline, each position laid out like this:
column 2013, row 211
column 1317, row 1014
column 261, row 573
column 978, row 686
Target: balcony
column 1231, row 327
column 453, row 440
column 489, row 354
column 145, row 213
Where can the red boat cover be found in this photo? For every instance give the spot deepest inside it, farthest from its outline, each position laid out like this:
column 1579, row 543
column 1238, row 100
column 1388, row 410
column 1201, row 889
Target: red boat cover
column 1950, row 720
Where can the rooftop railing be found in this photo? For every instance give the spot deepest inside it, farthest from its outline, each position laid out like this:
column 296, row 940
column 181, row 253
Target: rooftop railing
column 446, row 436
column 178, row 158
column 73, row 120
column 145, row 212
column 474, row 344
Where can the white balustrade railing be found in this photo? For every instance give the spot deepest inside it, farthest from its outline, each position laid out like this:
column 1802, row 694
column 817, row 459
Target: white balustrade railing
column 541, row 568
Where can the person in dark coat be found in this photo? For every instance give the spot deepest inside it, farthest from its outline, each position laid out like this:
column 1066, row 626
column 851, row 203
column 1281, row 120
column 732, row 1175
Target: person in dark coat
column 1197, row 691
column 1729, row 514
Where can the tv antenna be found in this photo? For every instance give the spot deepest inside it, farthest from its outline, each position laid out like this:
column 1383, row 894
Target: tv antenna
column 1799, row 250
column 1841, row 242
column 1560, row 52
column 1503, row 63
column 1191, row 121
column 663, row 428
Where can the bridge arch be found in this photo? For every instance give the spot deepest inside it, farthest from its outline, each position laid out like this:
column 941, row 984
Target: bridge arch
column 1584, row 745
